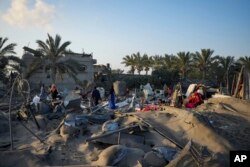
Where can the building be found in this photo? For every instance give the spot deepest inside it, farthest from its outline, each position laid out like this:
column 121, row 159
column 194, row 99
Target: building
column 86, row 74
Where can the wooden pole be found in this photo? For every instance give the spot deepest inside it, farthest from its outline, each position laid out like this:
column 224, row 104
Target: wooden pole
column 238, row 82
column 233, row 88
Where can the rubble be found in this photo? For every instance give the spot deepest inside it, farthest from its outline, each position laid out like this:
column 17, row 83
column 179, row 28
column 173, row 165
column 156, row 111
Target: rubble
column 70, row 132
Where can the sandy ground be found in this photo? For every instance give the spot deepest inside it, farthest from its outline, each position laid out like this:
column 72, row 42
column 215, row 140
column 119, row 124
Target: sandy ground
column 210, row 128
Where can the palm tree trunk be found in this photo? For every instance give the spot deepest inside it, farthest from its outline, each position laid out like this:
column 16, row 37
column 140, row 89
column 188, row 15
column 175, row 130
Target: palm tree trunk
column 203, row 74
column 53, row 75
column 183, row 75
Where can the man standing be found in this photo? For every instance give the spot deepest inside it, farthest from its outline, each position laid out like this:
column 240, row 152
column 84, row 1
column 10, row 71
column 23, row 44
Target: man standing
column 96, row 96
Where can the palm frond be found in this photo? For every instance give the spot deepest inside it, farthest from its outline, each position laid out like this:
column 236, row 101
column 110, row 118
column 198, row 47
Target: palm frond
column 62, row 48
column 9, row 49
column 57, row 41
column 2, row 41
column 36, row 65
column 15, row 59
column 36, row 53
column 42, row 47
column 3, row 62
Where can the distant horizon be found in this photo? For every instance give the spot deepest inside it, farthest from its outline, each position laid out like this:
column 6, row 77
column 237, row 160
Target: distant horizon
column 111, row 29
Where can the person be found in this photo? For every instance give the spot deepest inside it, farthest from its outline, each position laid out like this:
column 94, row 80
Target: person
column 142, row 98
column 176, row 99
column 42, row 92
column 127, row 92
column 53, row 91
column 112, row 98
column 194, row 100
column 168, row 94
column 96, row 96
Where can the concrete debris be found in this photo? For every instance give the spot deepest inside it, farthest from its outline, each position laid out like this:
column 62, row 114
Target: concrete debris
column 142, row 131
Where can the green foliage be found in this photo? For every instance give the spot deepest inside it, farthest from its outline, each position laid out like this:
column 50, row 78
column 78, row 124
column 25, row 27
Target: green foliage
column 8, row 62
column 203, row 60
column 165, row 76
column 48, row 57
column 244, row 61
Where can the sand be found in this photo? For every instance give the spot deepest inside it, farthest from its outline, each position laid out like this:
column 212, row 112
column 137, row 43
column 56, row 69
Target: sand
column 209, row 126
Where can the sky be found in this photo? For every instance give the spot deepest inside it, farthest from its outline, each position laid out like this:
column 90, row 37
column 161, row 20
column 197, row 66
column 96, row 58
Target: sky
column 112, row 29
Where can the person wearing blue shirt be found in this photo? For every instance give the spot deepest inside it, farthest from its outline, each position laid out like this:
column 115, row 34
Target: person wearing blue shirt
column 112, row 98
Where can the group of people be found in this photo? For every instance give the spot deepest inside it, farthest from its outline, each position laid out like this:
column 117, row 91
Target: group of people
column 176, row 99
column 95, row 95
column 173, row 97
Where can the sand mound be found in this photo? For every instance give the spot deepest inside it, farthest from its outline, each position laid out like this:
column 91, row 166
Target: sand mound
column 119, row 155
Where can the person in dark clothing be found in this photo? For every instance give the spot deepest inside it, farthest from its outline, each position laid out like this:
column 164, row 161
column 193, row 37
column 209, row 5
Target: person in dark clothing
column 112, row 98
column 96, row 96
column 53, row 91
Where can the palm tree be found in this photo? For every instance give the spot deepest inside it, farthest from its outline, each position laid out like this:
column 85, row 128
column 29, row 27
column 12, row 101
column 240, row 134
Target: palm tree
column 129, row 61
column 203, row 60
column 157, row 62
column 183, row 62
column 49, row 56
column 6, row 58
column 139, row 62
column 245, row 61
column 168, row 61
column 226, row 63
column 147, row 62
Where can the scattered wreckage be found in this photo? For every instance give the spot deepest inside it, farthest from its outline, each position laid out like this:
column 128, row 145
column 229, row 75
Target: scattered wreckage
column 124, row 137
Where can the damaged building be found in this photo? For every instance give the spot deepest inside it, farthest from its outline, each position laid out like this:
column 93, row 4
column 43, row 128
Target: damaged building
column 86, row 74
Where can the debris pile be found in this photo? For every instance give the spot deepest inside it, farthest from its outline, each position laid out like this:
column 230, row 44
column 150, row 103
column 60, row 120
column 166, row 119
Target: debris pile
column 141, row 131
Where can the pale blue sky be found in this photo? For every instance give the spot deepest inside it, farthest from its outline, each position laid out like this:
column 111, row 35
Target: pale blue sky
column 112, row 29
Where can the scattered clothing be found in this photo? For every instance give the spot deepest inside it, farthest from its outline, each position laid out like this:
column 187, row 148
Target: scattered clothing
column 194, row 100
